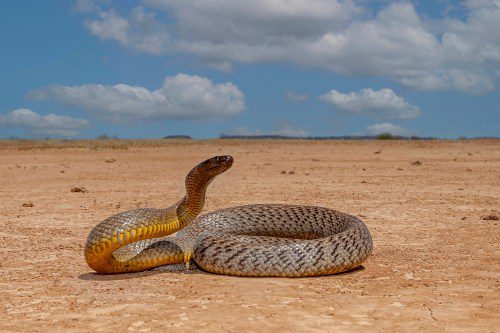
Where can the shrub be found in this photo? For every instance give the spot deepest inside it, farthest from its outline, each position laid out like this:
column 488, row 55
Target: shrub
column 385, row 136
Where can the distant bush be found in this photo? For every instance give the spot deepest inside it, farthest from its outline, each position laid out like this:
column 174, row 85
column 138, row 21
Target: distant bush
column 385, row 136
column 187, row 137
column 106, row 137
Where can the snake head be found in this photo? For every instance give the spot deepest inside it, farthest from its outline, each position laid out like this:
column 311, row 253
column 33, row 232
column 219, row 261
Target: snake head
column 217, row 164
column 207, row 170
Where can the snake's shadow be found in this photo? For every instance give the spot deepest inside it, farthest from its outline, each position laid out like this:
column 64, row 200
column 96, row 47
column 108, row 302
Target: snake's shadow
column 114, row 277
column 352, row 271
column 128, row 276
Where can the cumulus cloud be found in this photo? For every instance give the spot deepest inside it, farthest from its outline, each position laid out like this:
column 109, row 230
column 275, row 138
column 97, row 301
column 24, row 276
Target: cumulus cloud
column 295, row 96
column 50, row 124
column 285, row 131
column 342, row 36
column 141, row 31
column 383, row 103
column 383, row 128
column 181, row 97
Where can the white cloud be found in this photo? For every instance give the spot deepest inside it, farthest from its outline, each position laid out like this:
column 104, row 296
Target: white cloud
column 383, row 103
column 223, row 20
column 50, row 124
column 341, row 36
column 383, row 128
column 223, row 66
column 86, row 6
column 91, row 6
column 285, row 131
column 181, row 97
column 141, row 31
column 295, row 96
column 477, row 4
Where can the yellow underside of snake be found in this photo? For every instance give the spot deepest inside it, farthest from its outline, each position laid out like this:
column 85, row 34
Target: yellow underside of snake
column 253, row 240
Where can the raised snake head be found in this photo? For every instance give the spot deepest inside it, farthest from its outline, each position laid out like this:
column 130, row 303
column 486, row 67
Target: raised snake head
column 202, row 174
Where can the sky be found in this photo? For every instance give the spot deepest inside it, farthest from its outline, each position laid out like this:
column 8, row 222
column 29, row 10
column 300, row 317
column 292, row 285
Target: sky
column 152, row 68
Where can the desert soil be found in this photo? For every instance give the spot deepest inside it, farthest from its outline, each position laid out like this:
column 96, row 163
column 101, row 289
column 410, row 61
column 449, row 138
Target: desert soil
column 434, row 267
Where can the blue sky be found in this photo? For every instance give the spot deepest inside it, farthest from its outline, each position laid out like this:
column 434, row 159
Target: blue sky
column 150, row 68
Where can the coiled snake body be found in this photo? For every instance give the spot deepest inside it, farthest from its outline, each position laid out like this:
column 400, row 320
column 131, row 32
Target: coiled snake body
column 253, row 240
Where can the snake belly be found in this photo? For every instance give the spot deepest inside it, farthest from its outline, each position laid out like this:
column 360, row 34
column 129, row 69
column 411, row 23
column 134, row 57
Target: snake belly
column 251, row 240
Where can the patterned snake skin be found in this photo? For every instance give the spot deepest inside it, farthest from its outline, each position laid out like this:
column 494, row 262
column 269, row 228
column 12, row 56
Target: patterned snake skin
column 253, row 240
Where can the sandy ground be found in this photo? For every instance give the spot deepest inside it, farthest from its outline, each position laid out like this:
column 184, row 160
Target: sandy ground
column 435, row 264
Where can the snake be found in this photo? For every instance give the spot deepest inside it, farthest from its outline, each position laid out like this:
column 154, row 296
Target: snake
column 279, row 240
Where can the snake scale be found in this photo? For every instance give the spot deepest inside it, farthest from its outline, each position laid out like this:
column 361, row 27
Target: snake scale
column 252, row 240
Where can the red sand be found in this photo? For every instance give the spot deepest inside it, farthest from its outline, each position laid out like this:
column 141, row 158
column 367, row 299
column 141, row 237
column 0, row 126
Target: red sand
column 435, row 264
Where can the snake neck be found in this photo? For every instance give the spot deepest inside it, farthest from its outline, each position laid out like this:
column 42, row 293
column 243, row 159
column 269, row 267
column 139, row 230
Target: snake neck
column 192, row 204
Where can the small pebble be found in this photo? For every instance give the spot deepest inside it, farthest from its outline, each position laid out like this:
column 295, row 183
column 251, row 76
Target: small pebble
column 110, row 160
column 28, row 204
column 283, row 172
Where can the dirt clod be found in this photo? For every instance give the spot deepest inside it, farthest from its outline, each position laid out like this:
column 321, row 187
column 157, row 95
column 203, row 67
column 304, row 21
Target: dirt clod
column 490, row 217
column 78, row 189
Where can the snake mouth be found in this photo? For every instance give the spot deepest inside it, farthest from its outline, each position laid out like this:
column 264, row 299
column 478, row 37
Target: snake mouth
column 220, row 168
